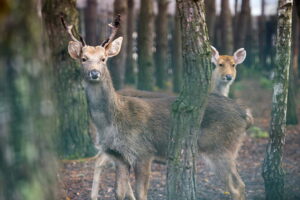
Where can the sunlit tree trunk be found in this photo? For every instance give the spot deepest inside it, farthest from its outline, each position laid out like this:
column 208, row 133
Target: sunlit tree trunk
column 210, row 15
column 90, row 19
column 130, row 63
column 188, row 109
column 273, row 173
column 145, row 45
column 226, row 28
column 177, row 55
column 117, row 63
column 72, row 138
column 27, row 109
column 161, row 55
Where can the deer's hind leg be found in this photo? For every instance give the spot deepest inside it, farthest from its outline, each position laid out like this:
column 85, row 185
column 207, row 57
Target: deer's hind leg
column 123, row 187
column 142, row 176
column 225, row 166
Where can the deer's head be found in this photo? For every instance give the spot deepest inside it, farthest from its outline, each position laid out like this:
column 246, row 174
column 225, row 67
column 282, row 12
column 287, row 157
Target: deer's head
column 226, row 65
column 93, row 58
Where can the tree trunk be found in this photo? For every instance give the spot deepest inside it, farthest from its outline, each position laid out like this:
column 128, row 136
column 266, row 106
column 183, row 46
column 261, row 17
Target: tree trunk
column 177, row 55
column 262, row 35
column 27, row 110
column 295, row 42
column 117, row 63
column 210, row 14
column 250, row 43
column 226, row 28
column 72, row 139
column 161, row 55
column 242, row 24
column 272, row 167
column 188, row 109
column 90, row 19
column 145, row 45
column 130, row 63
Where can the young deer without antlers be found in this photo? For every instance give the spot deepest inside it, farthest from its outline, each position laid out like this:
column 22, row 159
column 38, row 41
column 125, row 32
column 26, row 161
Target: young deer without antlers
column 225, row 70
column 134, row 131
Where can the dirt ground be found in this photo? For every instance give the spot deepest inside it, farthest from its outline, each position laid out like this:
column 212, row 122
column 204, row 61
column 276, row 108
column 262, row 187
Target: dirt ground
column 76, row 175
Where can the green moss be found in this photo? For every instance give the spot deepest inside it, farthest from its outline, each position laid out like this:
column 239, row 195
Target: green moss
column 257, row 132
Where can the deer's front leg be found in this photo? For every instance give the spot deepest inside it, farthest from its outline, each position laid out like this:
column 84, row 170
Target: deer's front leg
column 142, row 175
column 100, row 162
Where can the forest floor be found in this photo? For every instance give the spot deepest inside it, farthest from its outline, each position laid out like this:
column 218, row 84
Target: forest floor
column 76, row 175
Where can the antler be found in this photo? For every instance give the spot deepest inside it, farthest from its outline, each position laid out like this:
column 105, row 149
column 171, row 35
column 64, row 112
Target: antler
column 115, row 26
column 69, row 29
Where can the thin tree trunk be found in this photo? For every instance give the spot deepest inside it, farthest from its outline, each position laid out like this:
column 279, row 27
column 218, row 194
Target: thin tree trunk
column 145, row 45
column 210, row 15
column 27, row 110
column 161, row 55
column 272, row 167
column 242, row 24
column 130, row 63
column 226, row 28
column 72, row 140
column 295, row 42
column 90, row 19
column 177, row 55
column 189, row 108
column 117, row 63
column 262, row 35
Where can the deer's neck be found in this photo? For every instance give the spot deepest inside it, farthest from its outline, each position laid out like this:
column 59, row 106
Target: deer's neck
column 218, row 85
column 102, row 100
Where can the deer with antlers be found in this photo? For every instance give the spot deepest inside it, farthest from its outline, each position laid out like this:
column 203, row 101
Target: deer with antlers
column 135, row 131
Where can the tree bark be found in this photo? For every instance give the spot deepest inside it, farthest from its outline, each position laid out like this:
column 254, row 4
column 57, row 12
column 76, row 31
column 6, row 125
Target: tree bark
column 226, row 28
column 188, row 109
column 161, row 55
column 177, row 55
column 72, row 139
column 27, row 110
column 272, row 167
column 130, row 63
column 90, row 19
column 145, row 45
column 242, row 24
column 210, row 14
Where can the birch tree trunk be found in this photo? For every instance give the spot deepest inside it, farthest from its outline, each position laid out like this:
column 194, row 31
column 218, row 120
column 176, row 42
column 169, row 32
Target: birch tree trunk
column 27, row 109
column 272, row 167
column 188, row 109
column 72, row 139
column 145, row 45
column 161, row 55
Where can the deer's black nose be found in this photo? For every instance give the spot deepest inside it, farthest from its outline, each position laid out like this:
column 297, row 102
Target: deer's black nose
column 94, row 74
column 228, row 77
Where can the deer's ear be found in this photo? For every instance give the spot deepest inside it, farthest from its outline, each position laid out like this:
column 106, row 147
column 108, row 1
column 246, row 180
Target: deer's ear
column 239, row 56
column 114, row 48
column 215, row 55
column 74, row 49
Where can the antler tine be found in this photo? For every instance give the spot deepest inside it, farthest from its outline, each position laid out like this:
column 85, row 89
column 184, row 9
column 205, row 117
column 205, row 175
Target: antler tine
column 69, row 29
column 115, row 26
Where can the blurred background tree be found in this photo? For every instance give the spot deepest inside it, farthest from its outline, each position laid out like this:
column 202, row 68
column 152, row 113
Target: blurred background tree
column 27, row 109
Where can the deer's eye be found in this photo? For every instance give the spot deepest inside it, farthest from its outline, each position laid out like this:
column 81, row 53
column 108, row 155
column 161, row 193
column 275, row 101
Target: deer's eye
column 221, row 65
column 103, row 59
column 233, row 65
column 83, row 59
